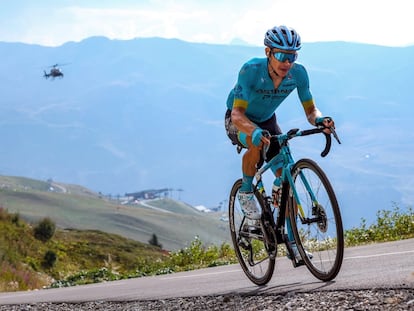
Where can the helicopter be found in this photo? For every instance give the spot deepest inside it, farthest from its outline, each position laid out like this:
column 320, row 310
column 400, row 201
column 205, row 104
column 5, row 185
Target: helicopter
column 54, row 72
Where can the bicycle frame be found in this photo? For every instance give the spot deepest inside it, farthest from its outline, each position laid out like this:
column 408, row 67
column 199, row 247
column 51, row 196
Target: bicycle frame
column 285, row 161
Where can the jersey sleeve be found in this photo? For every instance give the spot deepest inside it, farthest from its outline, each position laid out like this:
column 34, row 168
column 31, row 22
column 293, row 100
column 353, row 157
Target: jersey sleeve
column 306, row 97
column 242, row 88
column 303, row 88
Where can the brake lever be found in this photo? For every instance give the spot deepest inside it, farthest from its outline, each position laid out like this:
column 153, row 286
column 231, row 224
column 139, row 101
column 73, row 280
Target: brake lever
column 334, row 134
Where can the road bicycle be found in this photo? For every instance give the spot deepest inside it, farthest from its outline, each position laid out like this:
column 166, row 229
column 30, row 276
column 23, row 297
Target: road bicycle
column 307, row 200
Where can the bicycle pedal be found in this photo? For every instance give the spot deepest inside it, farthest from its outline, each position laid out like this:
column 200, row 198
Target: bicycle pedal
column 244, row 244
column 298, row 263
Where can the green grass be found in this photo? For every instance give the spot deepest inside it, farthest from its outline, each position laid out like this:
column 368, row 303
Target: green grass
column 22, row 256
column 15, row 182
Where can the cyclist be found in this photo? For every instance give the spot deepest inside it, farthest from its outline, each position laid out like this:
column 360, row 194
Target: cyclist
column 262, row 85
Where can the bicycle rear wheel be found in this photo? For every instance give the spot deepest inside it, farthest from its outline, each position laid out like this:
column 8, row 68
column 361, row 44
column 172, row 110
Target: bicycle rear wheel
column 316, row 223
column 248, row 241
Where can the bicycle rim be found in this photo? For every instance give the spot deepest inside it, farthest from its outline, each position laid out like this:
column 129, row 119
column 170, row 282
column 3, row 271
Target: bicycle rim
column 317, row 225
column 248, row 242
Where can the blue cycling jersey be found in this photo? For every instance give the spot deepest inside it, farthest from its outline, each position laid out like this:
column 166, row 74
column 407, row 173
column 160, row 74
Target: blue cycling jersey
column 255, row 92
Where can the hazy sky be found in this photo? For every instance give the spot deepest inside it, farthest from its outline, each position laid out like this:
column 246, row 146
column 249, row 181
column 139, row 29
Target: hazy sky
column 54, row 22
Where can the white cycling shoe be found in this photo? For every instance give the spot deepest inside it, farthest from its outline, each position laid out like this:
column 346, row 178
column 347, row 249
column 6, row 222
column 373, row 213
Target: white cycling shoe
column 248, row 205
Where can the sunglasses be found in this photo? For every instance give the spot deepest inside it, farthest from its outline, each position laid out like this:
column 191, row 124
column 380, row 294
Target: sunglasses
column 282, row 57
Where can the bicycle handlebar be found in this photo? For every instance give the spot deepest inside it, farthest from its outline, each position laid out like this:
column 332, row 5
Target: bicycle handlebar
column 320, row 129
column 328, row 144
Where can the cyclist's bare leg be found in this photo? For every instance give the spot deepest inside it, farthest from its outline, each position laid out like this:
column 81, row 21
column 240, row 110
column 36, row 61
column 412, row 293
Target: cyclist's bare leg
column 250, row 158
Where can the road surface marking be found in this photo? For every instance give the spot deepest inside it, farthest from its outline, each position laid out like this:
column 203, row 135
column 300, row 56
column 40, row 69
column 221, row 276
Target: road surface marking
column 379, row 255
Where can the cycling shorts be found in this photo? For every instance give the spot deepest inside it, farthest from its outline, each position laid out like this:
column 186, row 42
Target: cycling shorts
column 270, row 125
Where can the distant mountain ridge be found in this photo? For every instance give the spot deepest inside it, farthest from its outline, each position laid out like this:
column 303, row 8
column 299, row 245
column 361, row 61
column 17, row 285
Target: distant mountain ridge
column 148, row 113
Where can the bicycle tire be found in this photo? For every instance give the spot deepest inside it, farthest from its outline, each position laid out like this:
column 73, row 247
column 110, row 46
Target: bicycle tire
column 320, row 230
column 250, row 248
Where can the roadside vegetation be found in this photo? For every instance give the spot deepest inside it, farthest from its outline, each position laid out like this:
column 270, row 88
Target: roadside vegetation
column 34, row 256
column 390, row 225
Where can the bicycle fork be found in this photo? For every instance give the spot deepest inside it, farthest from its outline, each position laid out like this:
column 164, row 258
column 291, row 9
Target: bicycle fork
column 318, row 211
column 282, row 236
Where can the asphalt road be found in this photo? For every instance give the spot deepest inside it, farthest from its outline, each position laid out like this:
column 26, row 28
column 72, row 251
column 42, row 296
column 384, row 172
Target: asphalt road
column 382, row 265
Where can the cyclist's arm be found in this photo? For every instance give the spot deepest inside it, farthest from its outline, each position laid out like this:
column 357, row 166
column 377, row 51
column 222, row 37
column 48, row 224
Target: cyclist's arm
column 243, row 124
column 312, row 112
column 240, row 102
column 241, row 99
column 239, row 119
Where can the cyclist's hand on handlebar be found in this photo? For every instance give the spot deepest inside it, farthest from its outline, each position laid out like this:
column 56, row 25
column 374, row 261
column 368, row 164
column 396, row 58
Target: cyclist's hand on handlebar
column 259, row 136
column 329, row 126
column 327, row 122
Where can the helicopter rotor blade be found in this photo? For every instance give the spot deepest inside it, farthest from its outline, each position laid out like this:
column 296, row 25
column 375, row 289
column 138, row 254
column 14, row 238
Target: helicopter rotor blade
column 58, row 65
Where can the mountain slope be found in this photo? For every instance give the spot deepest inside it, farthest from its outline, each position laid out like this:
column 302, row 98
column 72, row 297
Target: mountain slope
column 175, row 223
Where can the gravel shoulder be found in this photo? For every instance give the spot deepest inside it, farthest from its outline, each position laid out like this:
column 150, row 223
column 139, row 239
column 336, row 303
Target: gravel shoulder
column 370, row 299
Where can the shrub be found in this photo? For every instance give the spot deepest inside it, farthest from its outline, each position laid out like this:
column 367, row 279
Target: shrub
column 49, row 259
column 45, row 230
column 15, row 219
column 154, row 241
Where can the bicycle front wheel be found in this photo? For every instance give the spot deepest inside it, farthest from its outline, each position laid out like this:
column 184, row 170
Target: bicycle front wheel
column 248, row 241
column 316, row 221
